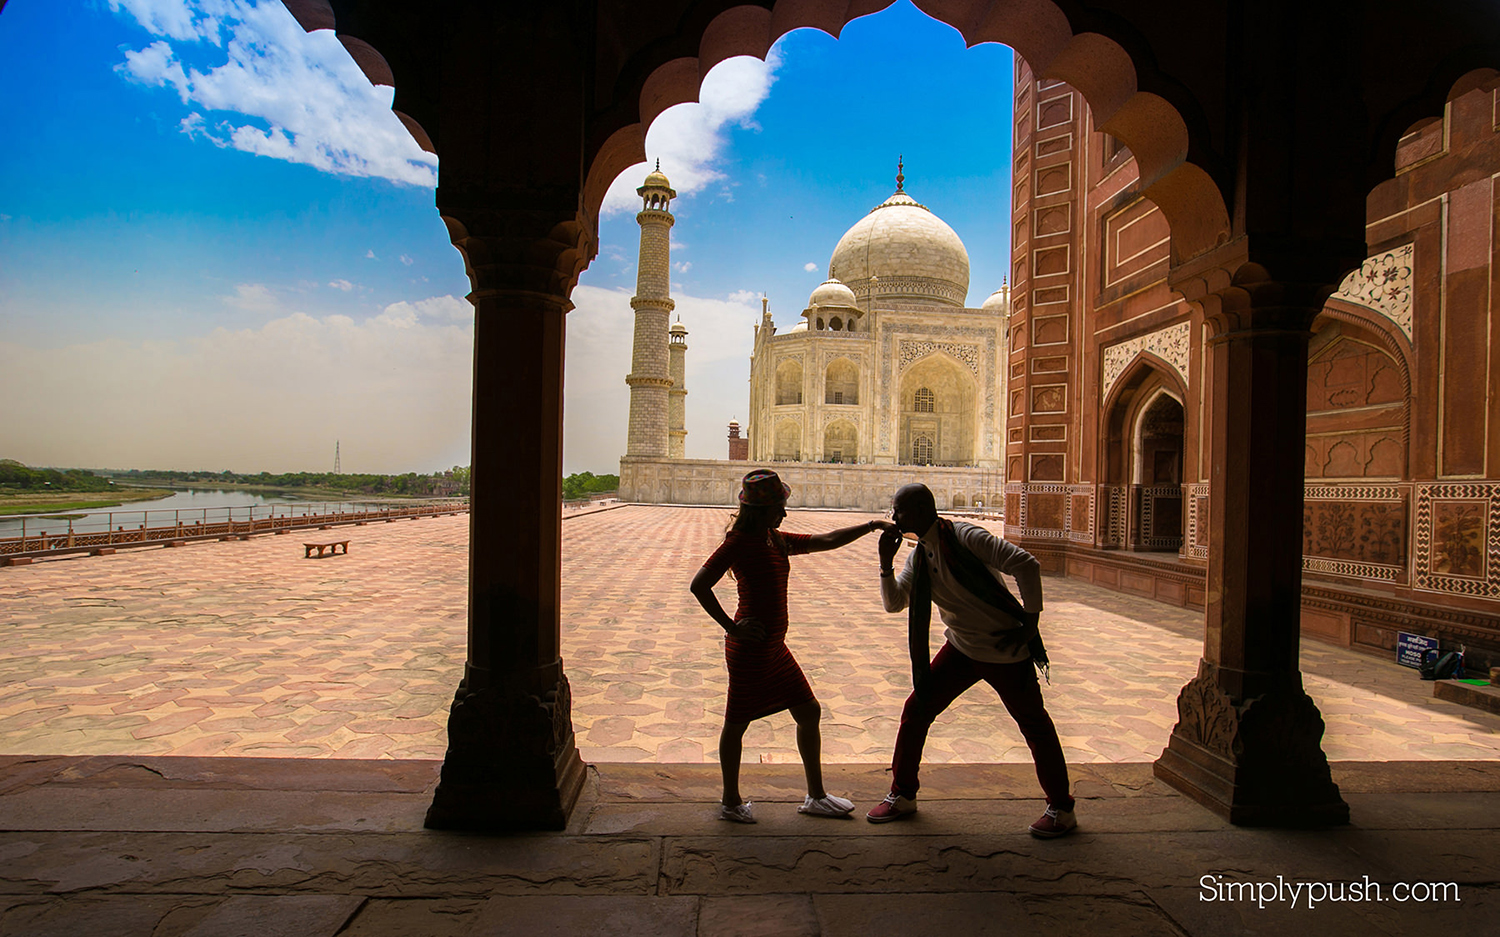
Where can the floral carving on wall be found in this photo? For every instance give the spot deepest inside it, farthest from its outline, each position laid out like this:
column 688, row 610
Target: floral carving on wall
column 1352, row 530
column 1458, row 538
column 1383, row 283
column 1170, row 344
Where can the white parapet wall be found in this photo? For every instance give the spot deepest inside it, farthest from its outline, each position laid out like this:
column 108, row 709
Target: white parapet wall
column 814, row 485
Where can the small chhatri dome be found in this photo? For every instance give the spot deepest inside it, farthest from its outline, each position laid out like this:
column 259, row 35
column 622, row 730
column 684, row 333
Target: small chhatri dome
column 657, row 193
column 678, row 328
column 998, row 301
column 901, row 251
column 831, row 292
column 657, row 178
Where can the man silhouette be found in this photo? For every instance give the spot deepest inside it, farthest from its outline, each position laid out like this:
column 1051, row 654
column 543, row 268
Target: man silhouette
column 989, row 636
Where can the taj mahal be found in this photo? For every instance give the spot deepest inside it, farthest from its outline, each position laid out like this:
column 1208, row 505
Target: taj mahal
column 889, row 377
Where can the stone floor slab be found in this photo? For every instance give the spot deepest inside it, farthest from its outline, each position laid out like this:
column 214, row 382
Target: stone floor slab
column 589, row 917
column 277, row 916
column 241, row 648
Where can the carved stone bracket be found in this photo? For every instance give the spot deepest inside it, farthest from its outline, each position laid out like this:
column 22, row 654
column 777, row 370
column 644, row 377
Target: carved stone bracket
column 1205, row 715
column 511, row 763
column 1258, row 762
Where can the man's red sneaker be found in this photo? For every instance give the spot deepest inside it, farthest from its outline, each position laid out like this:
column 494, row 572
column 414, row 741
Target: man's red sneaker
column 1054, row 823
column 894, row 807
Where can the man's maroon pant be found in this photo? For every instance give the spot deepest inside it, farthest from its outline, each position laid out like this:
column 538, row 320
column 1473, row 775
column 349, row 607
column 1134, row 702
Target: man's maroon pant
column 954, row 672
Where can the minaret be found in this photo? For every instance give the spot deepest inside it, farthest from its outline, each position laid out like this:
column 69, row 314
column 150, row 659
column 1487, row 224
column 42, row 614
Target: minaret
column 649, row 378
column 677, row 405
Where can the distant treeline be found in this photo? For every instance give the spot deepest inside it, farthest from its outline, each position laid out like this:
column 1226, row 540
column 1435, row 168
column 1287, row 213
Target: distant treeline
column 455, row 481
column 15, row 475
column 583, row 484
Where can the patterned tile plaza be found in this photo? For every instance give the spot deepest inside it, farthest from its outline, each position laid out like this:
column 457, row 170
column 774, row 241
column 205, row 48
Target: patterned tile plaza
column 247, row 648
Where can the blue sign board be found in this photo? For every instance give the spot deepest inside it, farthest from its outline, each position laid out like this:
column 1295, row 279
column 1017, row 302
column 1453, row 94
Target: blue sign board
column 1411, row 649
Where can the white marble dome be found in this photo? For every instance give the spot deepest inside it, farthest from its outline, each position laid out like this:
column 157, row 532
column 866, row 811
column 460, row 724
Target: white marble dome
column 911, row 254
column 831, row 293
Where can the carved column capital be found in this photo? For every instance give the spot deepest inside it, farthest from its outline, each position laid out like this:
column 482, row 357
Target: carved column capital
column 519, row 240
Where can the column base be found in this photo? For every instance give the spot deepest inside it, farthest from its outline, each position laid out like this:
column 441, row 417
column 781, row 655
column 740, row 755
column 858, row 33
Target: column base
column 1258, row 763
column 511, row 763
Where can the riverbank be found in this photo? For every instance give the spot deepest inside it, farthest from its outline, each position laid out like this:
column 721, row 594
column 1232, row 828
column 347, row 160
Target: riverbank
column 28, row 502
column 307, row 492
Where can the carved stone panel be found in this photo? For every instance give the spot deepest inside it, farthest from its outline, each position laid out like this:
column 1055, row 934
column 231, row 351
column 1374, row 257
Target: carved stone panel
column 1169, row 344
column 1383, row 283
column 1458, row 539
column 1046, row 511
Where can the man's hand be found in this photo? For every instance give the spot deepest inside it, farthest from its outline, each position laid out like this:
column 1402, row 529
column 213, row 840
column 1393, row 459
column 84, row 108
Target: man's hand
column 748, row 628
column 890, row 542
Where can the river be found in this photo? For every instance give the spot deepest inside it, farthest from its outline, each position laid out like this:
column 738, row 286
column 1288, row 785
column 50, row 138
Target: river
column 187, row 506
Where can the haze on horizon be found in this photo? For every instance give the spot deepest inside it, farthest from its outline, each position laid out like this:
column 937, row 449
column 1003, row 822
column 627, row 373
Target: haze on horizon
column 221, row 251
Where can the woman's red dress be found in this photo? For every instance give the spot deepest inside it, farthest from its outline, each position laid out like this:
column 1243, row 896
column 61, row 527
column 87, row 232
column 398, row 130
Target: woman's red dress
column 763, row 676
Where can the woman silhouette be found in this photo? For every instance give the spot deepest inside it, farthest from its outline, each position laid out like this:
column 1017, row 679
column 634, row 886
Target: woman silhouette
column 764, row 678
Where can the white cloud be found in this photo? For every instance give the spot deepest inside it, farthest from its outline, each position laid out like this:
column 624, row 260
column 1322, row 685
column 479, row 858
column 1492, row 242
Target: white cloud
column 252, row 297
column 370, row 254
column 281, row 92
column 175, row 19
column 683, row 266
column 344, row 285
column 4, row 217
column 809, row 267
column 407, row 260
column 402, row 402
column 688, row 138
column 439, row 308
column 597, row 408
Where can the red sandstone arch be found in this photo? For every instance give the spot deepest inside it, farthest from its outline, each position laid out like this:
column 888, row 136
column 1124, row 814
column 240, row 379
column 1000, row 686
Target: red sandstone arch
column 1097, row 65
column 1146, row 373
column 313, row 15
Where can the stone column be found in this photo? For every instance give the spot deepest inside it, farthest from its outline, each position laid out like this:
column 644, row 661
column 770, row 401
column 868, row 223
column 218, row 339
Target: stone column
column 677, row 403
column 1247, row 743
column 511, row 761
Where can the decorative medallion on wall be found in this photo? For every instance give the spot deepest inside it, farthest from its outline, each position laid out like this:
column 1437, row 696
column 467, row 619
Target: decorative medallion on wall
column 1383, row 283
column 910, row 351
column 1169, row 344
column 1458, row 539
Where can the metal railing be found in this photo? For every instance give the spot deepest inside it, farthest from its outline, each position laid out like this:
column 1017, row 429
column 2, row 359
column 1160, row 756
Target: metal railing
column 42, row 535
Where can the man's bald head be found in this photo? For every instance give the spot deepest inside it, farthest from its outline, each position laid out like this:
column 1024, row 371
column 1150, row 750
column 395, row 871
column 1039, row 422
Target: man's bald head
column 913, row 508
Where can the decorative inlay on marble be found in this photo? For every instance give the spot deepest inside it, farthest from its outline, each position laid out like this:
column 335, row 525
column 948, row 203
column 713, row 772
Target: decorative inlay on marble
column 1169, row 344
column 910, row 352
column 1383, row 283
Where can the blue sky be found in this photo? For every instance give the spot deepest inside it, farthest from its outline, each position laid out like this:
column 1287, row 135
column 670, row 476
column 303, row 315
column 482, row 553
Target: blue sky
column 207, row 216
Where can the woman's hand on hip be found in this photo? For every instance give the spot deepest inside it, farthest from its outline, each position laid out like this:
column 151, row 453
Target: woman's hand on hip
column 748, row 628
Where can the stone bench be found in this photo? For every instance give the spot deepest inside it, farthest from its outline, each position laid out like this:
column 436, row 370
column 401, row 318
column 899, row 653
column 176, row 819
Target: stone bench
column 325, row 548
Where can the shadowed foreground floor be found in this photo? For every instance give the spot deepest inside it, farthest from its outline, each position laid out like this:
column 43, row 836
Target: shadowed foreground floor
column 164, row 846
